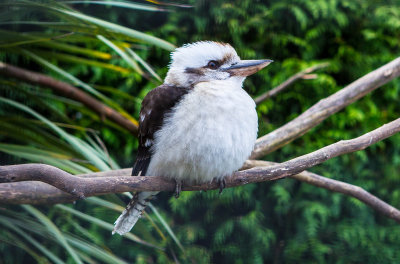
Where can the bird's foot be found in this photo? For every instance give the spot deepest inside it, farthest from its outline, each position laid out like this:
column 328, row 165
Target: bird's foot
column 222, row 185
column 178, row 188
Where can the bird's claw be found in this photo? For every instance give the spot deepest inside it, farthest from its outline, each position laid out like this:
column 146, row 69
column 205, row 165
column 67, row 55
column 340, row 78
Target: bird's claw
column 222, row 185
column 178, row 188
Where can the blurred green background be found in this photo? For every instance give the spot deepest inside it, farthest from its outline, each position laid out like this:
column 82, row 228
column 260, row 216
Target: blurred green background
column 119, row 51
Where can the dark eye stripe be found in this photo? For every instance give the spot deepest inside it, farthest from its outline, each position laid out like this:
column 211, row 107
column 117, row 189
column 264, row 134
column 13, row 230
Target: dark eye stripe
column 194, row 71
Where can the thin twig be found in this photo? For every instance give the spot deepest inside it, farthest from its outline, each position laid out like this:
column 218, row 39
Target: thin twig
column 325, row 108
column 69, row 91
column 288, row 82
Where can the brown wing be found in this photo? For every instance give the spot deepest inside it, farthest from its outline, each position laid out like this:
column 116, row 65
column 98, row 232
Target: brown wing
column 156, row 104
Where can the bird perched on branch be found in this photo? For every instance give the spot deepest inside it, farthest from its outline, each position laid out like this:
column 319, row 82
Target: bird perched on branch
column 199, row 125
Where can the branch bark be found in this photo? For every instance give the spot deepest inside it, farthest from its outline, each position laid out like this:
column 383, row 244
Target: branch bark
column 42, row 193
column 36, row 192
column 340, row 187
column 88, row 186
column 288, row 82
column 71, row 92
column 325, row 108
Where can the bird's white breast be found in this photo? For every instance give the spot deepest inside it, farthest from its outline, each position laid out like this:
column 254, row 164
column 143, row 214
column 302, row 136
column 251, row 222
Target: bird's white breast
column 209, row 134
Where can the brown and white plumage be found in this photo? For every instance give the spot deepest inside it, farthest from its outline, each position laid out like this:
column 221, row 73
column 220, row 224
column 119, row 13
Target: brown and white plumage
column 155, row 106
column 199, row 125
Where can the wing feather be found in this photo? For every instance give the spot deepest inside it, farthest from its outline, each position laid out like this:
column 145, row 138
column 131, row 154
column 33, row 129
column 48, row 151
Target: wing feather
column 156, row 104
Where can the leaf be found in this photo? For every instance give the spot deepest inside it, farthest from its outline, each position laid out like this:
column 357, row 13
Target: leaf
column 54, row 230
column 79, row 60
column 121, row 53
column 120, row 29
column 35, row 156
column 120, row 4
column 95, row 251
column 145, row 65
column 5, row 221
column 78, row 144
column 78, row 82
column 166, row 226
column 64, row 74
column 105, row 225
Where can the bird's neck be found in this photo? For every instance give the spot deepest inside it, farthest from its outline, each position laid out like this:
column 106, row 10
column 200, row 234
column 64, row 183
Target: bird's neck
column 221, row 86
column 232, row 83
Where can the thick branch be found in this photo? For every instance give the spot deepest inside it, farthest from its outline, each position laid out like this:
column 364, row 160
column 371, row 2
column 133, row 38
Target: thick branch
column 33, row 192
column 42, row 193
column 87, row 186
column 288, row 82
column 325, row 108
column 36, row 192
column 69, row 91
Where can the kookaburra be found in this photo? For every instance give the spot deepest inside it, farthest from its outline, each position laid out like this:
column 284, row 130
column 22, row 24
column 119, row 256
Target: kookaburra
column 197, row 126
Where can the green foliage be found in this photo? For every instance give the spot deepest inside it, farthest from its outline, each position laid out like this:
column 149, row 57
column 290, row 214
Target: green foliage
column 284, row 221
column 301, row 223
column 39, row 126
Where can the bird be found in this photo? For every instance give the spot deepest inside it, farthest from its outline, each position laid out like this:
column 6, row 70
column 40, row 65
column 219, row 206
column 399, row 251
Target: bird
column 199, row 125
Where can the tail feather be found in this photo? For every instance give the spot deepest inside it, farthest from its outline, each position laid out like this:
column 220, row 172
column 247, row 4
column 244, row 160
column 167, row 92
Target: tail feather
column 138, row 203
column 132, row 212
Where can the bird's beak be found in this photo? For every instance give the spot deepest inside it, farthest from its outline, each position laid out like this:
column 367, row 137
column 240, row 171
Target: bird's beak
column 247, row 67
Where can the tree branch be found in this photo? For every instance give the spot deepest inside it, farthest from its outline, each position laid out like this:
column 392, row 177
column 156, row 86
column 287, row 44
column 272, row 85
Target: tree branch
column 325, row 108
column 36, row 192
column 340, row 187
column 88, row 186
column 71, row 92
column 42, row 193
column 288, row 82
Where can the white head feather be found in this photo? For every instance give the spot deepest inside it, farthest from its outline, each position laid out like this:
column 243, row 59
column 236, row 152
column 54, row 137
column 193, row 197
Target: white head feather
column 196, row 56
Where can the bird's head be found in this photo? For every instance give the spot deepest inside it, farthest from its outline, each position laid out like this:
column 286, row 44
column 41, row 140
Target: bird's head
column 207, row 61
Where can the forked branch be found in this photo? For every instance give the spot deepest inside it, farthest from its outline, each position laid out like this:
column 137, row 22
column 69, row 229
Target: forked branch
column 81, row 187
column 340, row 187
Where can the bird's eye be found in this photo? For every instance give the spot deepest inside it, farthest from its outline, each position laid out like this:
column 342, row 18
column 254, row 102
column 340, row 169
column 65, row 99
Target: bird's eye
column 212, row 64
